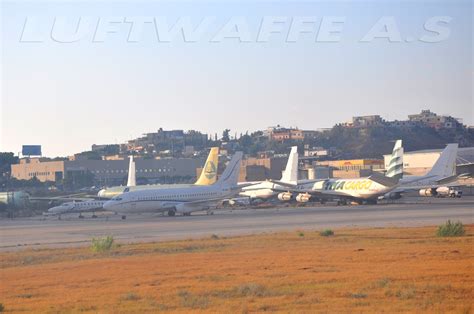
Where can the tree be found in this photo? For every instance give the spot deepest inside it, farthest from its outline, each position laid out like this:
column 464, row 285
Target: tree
column 6, row 160
column 225, row 135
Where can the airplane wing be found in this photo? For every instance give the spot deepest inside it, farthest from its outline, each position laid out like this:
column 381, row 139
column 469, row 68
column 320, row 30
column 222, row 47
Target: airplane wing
column 317, row 193
column 187, row 207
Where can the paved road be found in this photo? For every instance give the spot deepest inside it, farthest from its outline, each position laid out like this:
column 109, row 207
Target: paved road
column 36, row 232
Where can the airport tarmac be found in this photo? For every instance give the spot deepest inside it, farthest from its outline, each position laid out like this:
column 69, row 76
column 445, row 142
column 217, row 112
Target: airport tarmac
column 38, row 232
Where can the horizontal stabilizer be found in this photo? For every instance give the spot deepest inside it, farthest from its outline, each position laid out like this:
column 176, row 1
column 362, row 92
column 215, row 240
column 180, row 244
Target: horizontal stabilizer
column 383, row 180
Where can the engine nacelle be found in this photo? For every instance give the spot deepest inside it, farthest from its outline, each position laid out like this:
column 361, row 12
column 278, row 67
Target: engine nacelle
column 428, row 192
column 284, row 196
column 392, row 196
column 443, row 191
column 303, row 198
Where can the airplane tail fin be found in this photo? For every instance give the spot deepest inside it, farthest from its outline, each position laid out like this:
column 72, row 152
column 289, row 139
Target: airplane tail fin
column 230, row 177
column 132, row 181
column 290, row 174
column 209, row 171
column 445, row 166
column 395, row 167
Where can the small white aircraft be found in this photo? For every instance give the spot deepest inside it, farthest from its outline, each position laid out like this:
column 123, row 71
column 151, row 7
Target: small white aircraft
column 90, row 206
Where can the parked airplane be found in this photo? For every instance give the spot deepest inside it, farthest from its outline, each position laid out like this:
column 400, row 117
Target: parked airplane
column 266, row 189
column 76, row 207
column 207, row 177
column 183, row 200
column 436, row 181
column 360, row 190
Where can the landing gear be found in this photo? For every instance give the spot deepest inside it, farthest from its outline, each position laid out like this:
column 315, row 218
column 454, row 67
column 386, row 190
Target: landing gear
column 342, row 202
column 93, row 215
column 80, row 216
column 124, row 217
column 171, row 213
column 210, row 212
column 322, row 202
column 186, row 214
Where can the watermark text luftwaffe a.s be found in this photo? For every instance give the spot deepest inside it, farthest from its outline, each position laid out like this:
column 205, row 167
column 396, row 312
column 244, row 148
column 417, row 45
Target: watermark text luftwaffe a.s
column 287, row 29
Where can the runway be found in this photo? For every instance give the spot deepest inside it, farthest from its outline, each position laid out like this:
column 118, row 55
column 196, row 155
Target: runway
column 39, row 233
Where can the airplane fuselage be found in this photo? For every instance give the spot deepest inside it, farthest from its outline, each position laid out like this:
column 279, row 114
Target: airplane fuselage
column 157, row 200
column 362, row 188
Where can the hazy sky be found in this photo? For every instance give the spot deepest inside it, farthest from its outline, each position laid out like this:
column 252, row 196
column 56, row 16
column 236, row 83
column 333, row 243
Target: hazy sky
column 250, row 66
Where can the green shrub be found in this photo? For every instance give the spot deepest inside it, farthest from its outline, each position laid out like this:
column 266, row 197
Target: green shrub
column 326, row 233
column 358, row 295
column 450, row 229
column 2, row 308
column 187, row 299
column 301, row 234
column 131, row 297
column 250, row 289
column 102, row 244
column 214, row 236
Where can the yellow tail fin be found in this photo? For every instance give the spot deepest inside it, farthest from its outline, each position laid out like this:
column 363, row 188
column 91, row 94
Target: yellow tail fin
column 209, row 172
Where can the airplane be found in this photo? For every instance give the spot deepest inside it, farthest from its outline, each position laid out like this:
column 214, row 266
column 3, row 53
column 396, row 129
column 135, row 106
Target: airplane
column 207, row 177
column 436, row 182
column 182, row 200
column 265, row 189
column 76, row 207
column 361, row 190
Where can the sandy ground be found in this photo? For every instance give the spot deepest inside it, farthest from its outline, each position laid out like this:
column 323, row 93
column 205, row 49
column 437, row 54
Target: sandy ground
column 356, row 270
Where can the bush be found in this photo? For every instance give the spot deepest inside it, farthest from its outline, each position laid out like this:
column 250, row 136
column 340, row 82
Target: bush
column 326, row 233
column 214, row 236
column 450, row 229
column 130, row 297
column 187, row 299
column 301, row 234
column 251, row 289
column 102, row 244
column 2, row 308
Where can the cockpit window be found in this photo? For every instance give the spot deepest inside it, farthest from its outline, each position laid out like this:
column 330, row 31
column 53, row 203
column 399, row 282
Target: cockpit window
column 126, row 190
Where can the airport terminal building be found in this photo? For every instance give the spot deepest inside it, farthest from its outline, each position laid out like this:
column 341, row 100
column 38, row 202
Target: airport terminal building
column 106, row 172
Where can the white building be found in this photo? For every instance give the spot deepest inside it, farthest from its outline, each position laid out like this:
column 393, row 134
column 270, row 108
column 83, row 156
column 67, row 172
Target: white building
column 420, row 162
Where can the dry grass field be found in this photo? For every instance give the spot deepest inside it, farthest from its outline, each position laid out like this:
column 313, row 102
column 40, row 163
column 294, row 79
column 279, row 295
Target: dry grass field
column 356, row 270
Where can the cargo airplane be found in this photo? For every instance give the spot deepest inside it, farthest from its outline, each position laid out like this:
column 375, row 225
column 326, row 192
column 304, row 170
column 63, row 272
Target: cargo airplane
column 179, row 199
column 360, row 190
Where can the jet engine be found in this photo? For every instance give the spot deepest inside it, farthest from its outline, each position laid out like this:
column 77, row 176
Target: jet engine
column 303, row 197
column 428, row 192
column 284, row 196
column 392, row 196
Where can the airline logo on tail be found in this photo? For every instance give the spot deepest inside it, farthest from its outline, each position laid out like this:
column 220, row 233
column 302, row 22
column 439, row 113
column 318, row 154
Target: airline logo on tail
column 209, row 172
column 395, row 167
